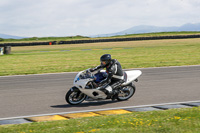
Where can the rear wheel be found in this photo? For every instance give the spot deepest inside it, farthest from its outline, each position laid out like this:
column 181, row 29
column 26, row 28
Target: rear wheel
column 75, row 97
column 126, row 92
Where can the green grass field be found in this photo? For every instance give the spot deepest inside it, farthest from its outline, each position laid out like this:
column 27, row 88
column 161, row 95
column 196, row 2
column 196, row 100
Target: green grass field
column 132, row 54
column 186, row 120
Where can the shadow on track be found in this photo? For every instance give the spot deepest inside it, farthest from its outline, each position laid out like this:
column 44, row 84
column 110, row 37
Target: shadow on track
column 85, row 104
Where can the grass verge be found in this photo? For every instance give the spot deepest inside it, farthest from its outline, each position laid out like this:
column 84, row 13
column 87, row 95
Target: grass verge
column 133, row 54
column 169, row 121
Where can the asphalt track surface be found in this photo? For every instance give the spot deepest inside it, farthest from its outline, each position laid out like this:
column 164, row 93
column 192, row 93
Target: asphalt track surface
column 45, row 94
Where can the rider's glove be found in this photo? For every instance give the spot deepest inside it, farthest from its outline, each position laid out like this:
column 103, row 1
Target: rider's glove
column 88, row 70
column 91, row 69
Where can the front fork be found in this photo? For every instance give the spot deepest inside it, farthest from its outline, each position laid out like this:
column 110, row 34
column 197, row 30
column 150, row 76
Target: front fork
column 76, row 90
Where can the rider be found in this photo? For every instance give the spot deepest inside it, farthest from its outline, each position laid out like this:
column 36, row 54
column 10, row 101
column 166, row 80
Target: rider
column 115, row 75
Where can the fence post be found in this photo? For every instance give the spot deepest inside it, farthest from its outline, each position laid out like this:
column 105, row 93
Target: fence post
column 7, row 49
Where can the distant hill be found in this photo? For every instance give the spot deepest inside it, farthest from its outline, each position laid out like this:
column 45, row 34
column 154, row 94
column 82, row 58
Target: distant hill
column 151, row 29
column 136, row 30
column 4, row 36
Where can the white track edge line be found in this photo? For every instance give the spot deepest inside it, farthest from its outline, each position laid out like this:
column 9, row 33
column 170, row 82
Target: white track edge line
column 139, row 106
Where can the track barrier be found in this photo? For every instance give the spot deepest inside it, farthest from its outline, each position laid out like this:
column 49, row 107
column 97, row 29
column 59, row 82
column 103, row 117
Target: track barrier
column 7, row 50
column 7, row 46
column 100, row 40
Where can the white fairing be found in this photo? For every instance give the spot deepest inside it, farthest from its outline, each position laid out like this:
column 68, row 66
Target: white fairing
column 89, row 92
column 77, row 77
column 132, row 75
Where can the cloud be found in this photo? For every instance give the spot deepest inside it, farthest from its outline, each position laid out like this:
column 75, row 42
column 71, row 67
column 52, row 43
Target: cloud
column 90, row 17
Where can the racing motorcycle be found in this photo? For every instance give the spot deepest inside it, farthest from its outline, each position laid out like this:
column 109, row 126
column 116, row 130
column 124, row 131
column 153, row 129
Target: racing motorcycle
column 85, row 87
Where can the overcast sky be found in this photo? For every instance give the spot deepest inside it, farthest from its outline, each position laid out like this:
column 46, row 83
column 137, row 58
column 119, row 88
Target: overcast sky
column 40, row 18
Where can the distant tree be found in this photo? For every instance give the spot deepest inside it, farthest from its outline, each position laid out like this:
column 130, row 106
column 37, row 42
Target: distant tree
column 1, row 39
column 34, row 38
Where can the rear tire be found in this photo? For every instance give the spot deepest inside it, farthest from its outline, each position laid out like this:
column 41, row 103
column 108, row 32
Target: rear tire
column 74, row 97
column 126, row 92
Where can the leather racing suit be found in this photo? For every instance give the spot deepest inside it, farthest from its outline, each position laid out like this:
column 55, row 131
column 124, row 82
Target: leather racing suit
column 115, row 76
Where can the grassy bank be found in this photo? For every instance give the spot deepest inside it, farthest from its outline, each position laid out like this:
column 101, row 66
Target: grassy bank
column 68, row 38
column 186, row 120
column 133, row 54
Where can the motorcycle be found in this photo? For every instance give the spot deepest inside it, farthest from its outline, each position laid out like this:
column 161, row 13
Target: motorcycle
column 85, row 87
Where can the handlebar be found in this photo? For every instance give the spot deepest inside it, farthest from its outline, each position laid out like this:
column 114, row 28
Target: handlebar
column 87, row 74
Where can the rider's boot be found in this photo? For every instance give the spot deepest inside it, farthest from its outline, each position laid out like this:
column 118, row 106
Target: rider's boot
column 115, row 94
column 110, row 92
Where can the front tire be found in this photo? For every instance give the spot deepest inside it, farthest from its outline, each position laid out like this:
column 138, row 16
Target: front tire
column 74, row 97
column 126, row 92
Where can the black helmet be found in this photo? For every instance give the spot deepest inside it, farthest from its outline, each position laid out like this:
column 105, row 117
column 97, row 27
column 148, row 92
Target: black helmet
column 105, row 58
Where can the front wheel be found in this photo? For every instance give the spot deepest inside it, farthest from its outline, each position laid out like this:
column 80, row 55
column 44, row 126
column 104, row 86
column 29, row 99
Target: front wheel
column 126, row 92
column 75, row 97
